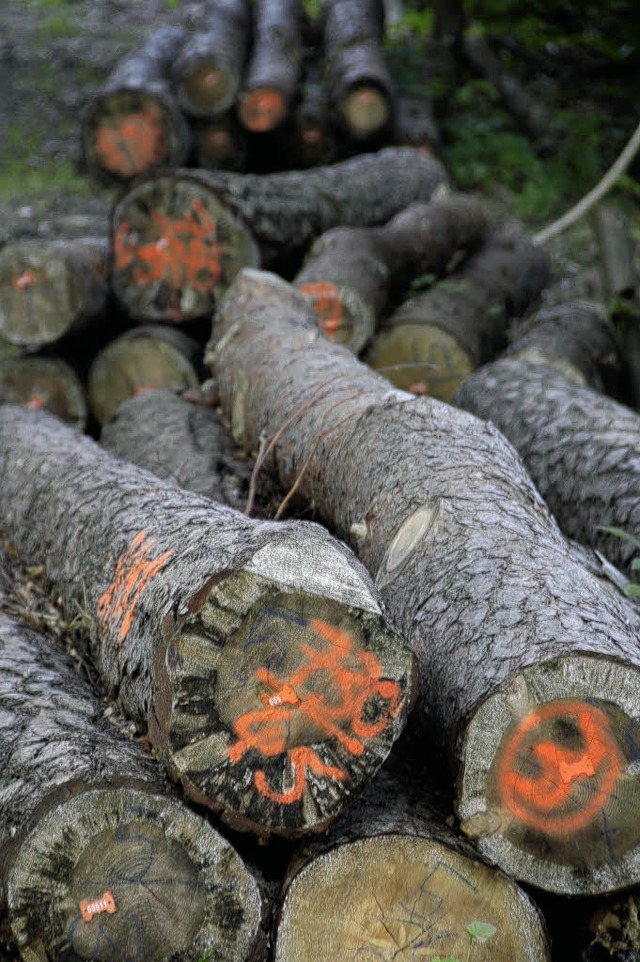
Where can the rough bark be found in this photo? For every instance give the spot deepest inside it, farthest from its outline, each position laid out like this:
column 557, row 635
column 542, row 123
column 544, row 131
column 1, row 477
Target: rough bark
column 97, row 858
column 49, row 288
column 350, row 271
column 257, row 652
column 391, row 879
column 207, row 70
column 134, row 124
column 432, row 341
column 275, row 65
column 180, row 440
column 157, row 274
column 357, row 75
column 220, row 144
column 522, row 651
column 44, row 382
column 140, row 360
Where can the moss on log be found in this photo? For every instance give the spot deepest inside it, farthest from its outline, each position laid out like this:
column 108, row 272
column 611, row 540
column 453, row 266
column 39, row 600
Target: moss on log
column 257, row 652
column 97, row 859
column 529, row 667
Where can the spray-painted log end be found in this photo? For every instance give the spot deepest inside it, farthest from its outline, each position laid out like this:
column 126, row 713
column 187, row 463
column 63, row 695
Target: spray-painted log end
column 44, row 383
column 550, row 782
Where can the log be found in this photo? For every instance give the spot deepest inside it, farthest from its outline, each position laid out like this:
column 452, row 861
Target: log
column 180, row 440
column 256, row 652
column 310, row 139
column 415, row 124
column 275, row 65
column 581, row 449
column 220, row 144
column 356, row 72
column 180, row 239
column 44, row 382
column 140, row 360
column 350, row 271
column 393, row 880
column 529, row 666
column 97, row 858
column 50, row 288
column 134, row 124
column 432, row 341
column 207, row 70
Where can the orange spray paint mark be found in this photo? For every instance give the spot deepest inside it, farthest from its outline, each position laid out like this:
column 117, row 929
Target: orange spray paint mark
column 266, row 729
column 128, row 144
column 36, row 403
column 134, row 570
column 547, row 800
column 186, row 253
column 326, row 303
column 105, row 904
column 418, row 387
column 262, row 110
column 26, row 280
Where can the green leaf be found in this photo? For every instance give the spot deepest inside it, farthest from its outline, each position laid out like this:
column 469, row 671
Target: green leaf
column 635, row 564
column 481, row 931
column 620, row 533
column 632, row 591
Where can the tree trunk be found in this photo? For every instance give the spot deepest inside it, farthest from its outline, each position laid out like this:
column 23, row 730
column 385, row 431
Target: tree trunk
column 220, row 144
column 271, row 81
column 97, row 859
column 256, row 652
column 357, row 75
column 158, row 275
column 415, row 124
column 142, row 359
column 349, row 271
column 207, row 70
column 44, row 382
column 523, row 653
column 433, row 340
column 49, row 288
column 391, row 879
column 135, row 124
column 179, row 440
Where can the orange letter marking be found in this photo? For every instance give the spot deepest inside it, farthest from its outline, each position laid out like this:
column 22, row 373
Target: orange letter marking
column 134, row 570
column 266, row 729
column 326, row 304
column 548, row 800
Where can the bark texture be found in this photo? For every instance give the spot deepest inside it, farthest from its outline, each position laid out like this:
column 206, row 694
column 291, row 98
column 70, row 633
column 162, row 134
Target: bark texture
column 48, row 383
column 273, row 72
column 157, row 274
column 476, row 574
column 92, row 845
column 207, row 70
column 349, row 271
column 135, row 124
column 49, row 288
column 179, row 440
column 256, row 652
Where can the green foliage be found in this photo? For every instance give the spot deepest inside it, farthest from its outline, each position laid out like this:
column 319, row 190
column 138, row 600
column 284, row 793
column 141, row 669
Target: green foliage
column 477, row 931
column 632, row 590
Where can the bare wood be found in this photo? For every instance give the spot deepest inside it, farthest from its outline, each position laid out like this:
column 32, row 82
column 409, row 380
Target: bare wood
column 158, row 274
column 522, row 651
column 256, row 652
column 97, row 857
column 134, row 124
column 49, row 288
column 142, row 359
column 42, row 382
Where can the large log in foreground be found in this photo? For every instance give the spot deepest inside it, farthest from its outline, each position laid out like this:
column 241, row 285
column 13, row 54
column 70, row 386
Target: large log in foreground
column 180, row 238
column 581, row 449
column 530, row 668
column 97, row 859
column 257, row 652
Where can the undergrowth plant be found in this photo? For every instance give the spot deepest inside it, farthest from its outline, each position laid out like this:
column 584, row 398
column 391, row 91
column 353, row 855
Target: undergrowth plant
column 479, row 932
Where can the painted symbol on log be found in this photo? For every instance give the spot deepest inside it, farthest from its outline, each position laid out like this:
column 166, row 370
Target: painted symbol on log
column 556, row 789
column 185, row 254
column 327, row 305
column 130, row 143
column 349, row 680
column 134, row 570
column 105, row 904
column 26, row 280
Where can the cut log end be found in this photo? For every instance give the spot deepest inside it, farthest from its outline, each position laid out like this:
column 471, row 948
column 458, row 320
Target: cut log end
column 342, row 314
column 366, row 111
column 389, row 895
column 120, row 873
column 44, row 383
column 303, row 699
column 422, row 359
column 175, row 246
column 206, row 90
column 262, row 110
column 127, row 134
column 551, row 776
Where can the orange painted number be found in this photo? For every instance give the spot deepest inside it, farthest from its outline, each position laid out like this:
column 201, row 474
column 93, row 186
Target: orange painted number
column 134, row 570
column 326, row 304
